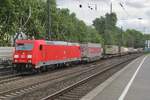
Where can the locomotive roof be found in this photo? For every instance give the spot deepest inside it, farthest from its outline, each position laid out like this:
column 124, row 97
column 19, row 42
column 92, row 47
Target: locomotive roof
column 91, row 44
column 48, row 42
column 61, row 43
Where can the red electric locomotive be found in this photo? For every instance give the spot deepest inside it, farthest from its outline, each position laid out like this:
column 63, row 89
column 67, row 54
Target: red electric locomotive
column 37, row 54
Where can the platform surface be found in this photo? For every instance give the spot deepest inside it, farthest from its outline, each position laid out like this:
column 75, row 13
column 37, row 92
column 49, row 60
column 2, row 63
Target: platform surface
column 130, row 83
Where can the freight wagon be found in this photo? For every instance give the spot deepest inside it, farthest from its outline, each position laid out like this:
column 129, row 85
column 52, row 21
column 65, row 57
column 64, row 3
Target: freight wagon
column 6, row 54
column 111, row 49
column 124, row 50
column 91, row 51
column 131, row 50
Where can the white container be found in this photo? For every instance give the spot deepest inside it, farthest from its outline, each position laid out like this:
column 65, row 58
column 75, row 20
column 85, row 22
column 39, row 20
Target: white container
column 111, row 49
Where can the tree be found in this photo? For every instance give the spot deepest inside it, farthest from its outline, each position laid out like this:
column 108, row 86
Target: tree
column 106, row 26
column 113, row 35
column 14, row 14
column 134, row 38
column 64, row 25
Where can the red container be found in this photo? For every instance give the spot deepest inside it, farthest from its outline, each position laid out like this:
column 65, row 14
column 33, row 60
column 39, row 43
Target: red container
column 91, row 51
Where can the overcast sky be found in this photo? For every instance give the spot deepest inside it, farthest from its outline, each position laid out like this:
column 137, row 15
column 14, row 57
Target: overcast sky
column 127, row 16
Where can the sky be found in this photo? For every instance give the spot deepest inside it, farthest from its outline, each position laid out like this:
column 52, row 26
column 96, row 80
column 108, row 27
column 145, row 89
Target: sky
column 135, row 14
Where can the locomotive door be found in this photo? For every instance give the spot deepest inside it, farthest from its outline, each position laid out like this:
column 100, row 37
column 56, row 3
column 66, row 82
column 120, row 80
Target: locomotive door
column 42, row 52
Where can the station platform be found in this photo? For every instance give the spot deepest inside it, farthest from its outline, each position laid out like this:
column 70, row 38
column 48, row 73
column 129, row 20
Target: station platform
column 130, row 83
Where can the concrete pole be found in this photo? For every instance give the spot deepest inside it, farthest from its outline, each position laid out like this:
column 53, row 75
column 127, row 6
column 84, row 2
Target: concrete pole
column 49, row 21
column 111, row 7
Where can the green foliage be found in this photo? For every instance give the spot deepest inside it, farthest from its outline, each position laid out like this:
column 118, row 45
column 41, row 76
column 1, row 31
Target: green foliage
column 113, row 35
column 99, row 24
column 147, row 36
column 106, row 26
column 14, row 14
column 134, row 38
column 70, row 28
column 64, row 25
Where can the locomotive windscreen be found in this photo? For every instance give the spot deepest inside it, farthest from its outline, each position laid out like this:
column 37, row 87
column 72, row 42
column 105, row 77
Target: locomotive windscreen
column 24, row 46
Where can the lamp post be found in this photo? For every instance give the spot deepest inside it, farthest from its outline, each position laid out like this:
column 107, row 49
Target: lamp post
column 106, row 28
column 111, row 7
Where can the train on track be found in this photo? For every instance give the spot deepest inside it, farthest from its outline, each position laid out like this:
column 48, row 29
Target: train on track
column 38, row 55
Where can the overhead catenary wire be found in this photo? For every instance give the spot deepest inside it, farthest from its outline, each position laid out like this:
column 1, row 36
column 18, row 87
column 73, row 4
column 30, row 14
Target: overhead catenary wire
column 122, row 6
column 30, row 12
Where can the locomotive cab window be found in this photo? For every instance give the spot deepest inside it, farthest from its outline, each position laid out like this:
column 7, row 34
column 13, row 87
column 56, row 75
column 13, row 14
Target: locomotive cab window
column 24, row 46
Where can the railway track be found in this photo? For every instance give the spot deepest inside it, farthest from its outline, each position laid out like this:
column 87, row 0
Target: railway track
column 9, row 78
column 5, row 70
column 79, row 89
column 7, row 75
column 56, row 83
column 36, row 85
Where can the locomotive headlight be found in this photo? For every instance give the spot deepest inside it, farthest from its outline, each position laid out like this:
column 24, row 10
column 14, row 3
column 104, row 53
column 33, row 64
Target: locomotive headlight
column 29, row 56
column 16, row 56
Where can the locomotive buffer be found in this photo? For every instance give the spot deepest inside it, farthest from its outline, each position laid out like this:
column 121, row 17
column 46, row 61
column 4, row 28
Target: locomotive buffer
column 130, row 83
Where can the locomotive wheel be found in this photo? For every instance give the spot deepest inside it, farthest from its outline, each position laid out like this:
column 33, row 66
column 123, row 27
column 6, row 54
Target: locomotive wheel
column 36, row 71
column 67, row 64
column 44, row 69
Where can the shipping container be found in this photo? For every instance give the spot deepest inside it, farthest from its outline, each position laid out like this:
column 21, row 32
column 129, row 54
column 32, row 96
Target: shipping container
column 6, row 54
column 111, row 49
column 91, row 51
column 124, row 50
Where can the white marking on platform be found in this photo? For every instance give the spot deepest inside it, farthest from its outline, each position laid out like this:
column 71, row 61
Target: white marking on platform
column 131, row 80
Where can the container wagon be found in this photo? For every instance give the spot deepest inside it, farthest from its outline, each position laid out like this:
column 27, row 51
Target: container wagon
column 124, row 50
column 111, row 49
column 6, row 54
column 91, row 51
